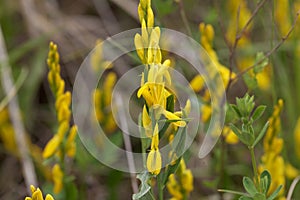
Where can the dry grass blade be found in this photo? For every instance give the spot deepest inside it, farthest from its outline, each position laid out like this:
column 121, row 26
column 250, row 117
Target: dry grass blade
column 14, row 111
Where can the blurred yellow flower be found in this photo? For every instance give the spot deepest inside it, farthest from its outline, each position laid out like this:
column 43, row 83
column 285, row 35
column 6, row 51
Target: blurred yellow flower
column 181, row 183
column 57, row 176
column 290, row 171
column 282, row 16
column 273, row 144
column 230, row 136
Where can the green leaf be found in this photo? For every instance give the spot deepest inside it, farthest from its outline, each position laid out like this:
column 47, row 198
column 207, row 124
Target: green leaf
column 275, row 193
column 170, row 103
column 179, row 141
column 265, row 181
column 245, row 198
column 249, row 186
column 258, row 112
column 250, row 81
column 261, row 134
column 244, row 137
column 259, row 196
column 144, row 177
column 260, row 63
column 236, row 110
column 233, row 192
column 241, row 105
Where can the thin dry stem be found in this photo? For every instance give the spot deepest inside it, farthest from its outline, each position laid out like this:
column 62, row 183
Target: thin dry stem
column 239, row 34
column 292, row 188
column 14, row 112
column 275, row 48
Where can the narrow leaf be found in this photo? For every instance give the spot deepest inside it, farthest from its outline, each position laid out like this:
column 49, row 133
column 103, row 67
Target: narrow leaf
column 275, row 193
column 233, row 192
column 265, row 181
column 170, row 103
column 243, row 137
column 249, row 186
column 245, row 198
column 236, row 110
column 250, row 81
column 261, row 134
column 258, row 112
column 261, row 62
column 259, row 196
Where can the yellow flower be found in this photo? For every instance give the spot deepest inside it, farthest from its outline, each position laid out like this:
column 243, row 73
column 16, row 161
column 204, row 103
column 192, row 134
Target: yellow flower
column 146, row 120
column 187, row 180
column 282, row 16
column 205, row 112
column 102, row 98
column 154, row 161
column 108, row 87
column 52, row 146
column 154, row 157
column 206, row 40
column 71, row 144
column 181, row 188
column 235, row 8
column 54, row 143
column 154, row 94
column 57, row 176
column 171, row 116
column 38, row 195
column 97, row 61
column 153, row 83
column 197, row 83
column 62, row 105
column 290, row 171
column 230, row 137
column 174, row 188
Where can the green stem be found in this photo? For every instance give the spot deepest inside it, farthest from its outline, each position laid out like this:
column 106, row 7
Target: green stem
column 223, row 155
column 160, row 190
column 254, row 167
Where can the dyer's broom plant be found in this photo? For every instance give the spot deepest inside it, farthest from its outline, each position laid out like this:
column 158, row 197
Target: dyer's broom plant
column 157, row 110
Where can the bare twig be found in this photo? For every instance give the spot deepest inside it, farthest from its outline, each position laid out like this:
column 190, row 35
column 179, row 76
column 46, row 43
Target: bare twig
column 239, row 35
column 292, row 188
column 275, row 48
column 258, row 7
column 14, row 111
